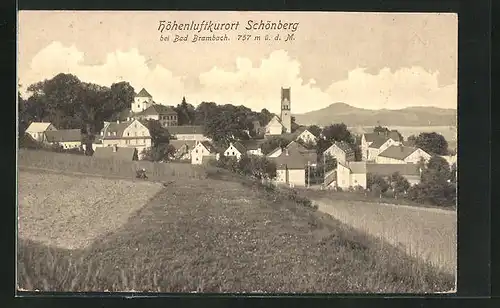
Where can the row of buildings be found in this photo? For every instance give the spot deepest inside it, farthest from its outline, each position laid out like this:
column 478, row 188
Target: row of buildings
column 382, row 153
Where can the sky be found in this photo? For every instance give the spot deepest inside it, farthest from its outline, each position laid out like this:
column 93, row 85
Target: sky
column 366, row 60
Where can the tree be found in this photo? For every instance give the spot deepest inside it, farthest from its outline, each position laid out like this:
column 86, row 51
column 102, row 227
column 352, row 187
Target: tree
column 338, row 132
column 432, row 143
column 327, row 163
column 399, row 184
column 411, row 140
column 377, row 184
column 264, row 117
column 122, row 97
column 315, row 130
column 453, row 175
column 162, row 152
column 322, row 145
column 186, row 113
column 435, row 186
column 159, row 134
column 273, row 143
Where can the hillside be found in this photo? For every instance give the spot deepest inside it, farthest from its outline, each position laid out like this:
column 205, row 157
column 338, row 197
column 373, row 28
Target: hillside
column 352, row 116
column 207, row 235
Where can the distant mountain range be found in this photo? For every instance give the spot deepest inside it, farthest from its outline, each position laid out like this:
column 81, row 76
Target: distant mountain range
column 352, row 116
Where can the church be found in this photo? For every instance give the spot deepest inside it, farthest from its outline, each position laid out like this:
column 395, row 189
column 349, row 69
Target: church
column 283, row 124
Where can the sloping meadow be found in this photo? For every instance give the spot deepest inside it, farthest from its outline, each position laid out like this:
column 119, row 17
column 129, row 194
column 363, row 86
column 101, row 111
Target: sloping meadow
column 206, row 235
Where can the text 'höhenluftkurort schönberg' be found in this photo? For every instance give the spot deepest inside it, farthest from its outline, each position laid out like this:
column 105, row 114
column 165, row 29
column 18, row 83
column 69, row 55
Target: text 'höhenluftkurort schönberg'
column 228, row 26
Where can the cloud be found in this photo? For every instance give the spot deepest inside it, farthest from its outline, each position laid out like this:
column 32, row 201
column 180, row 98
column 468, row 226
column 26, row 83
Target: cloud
column 255, row 85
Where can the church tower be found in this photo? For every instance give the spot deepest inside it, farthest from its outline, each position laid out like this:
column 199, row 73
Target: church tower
column 286, row 116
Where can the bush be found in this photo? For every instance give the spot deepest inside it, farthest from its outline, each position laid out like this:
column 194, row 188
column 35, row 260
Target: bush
column 379, row 181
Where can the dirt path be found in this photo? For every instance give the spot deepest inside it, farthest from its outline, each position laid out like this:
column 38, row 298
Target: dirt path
column 427, row 233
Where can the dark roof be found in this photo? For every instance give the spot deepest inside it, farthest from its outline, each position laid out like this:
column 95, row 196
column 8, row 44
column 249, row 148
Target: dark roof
column 143, row 93
column 252, row 144
column 185, row 130
column 121, row 153
column 389, row 169
column 118, row 128
column 177, row 144
column 379, row 142
column 157, row 109
column 240, row 147
column 398, row 152
column 344, row 147
column 64, row 135
column 210, row 147
column 294, row 160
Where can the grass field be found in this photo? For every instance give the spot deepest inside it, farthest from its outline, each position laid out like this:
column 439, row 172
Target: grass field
column 202, row 235
column 425, row 233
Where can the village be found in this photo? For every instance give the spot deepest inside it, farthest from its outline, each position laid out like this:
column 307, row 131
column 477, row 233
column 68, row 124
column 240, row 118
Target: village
column 382, row 153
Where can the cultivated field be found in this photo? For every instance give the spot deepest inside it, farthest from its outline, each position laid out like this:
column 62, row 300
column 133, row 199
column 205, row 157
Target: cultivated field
column 426, row 233
column 71, row 212
column 199, row 235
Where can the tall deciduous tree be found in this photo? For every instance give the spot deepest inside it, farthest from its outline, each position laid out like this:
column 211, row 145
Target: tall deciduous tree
column 432, row 143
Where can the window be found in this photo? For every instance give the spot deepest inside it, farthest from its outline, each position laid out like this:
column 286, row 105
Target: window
column 196, row 157
column 233, row 152
column 196, row 151
column 138, row 106
column 128, row 134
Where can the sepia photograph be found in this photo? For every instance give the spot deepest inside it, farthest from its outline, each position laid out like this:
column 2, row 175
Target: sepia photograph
column 237, row 152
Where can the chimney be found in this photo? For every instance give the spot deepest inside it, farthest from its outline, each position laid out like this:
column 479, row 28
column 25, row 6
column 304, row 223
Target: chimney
column 115, row 148
column 286, row 152
column 401, row 147
column 117, row 121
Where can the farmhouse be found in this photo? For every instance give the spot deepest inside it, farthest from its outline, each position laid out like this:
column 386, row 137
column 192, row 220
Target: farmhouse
column 130, row 134
column 37, row 130
column 355, row 173
column 235, row 149
column 401, row 155
column 115, row 152
column 373, row 144
column 144, row 108
column 283, row 124
column 187, row 132
column 341, row 151
column 203, row 152
column 290, row 168
column 66, row 138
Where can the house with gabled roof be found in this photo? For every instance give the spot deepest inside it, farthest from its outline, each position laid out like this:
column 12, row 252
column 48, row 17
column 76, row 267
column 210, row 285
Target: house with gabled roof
column 341, row 151
column 291, row 167
column 354, row 174
column 66, row 138
column 374, row 143
column 203, row 152
column 235, row 149
column 37, row 130
column 402, row 155
column 128, row 134
column 188, row 132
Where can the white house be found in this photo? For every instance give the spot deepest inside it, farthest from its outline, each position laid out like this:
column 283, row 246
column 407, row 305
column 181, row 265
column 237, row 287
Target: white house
column 341, row 151
column 374, row 143
column 203, row 152
column 401, row 155
column 66, row 138
column 129, row 134
column 37, row 130
column 235, row 149
column 355, row 173
column 253, row 146
column 290, row 168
